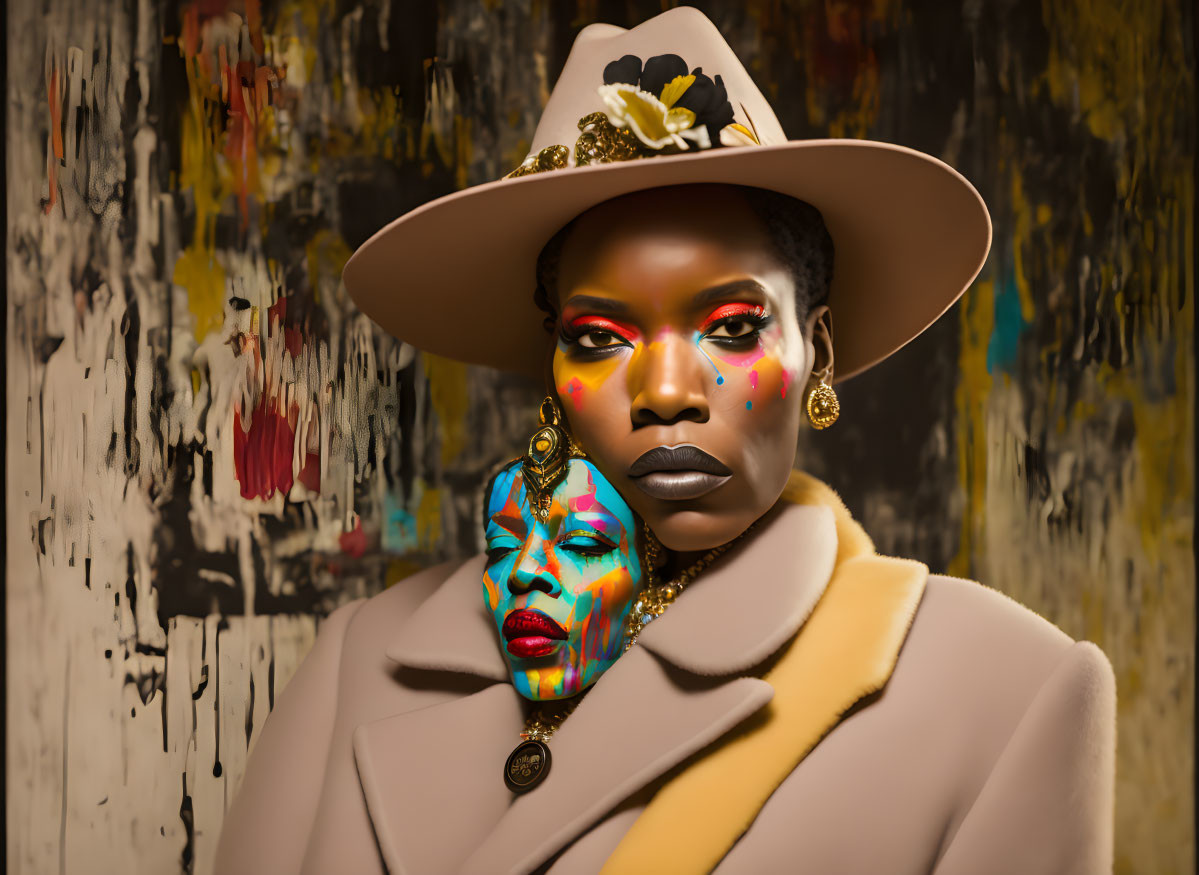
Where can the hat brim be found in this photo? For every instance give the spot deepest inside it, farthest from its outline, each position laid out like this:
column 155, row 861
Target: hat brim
column 455, row 277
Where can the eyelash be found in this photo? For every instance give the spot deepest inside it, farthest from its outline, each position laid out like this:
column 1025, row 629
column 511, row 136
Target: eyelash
column 575, row 331
column 757, row 322
column 590, row 551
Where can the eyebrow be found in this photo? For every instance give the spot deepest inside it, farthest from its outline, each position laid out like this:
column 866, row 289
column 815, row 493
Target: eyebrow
column 596, row 304
column 725, row 290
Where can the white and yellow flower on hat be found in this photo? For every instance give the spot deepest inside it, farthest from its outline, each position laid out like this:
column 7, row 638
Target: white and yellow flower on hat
column 657, row 122
column 667, row 108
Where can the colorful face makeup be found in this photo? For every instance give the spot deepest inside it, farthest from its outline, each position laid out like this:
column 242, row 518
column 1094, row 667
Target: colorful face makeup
column 560, row 590
column 677, row 356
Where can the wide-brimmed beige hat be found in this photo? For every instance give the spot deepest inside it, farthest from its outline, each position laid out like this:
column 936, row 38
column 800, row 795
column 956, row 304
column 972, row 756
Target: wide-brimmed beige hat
column 456, row 276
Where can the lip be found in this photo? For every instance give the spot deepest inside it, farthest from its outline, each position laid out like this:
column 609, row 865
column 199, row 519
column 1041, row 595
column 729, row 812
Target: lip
column 531, row 633
column 685, row 458
column 678, row 485
column 678, row 473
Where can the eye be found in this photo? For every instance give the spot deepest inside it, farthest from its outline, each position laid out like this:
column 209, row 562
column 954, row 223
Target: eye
column 587, row 544
column 596, row 334
column 499, row 548
column 735, row 328
column 599, row 339
column 736, row 325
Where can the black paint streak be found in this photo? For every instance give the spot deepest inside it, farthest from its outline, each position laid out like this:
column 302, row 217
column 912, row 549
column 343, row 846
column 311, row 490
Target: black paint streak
column 189, row 828
column 250, row 713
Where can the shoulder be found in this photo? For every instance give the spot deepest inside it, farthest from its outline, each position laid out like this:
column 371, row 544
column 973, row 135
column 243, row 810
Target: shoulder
column 991, row 657
column 373, row 621
column 379, row 616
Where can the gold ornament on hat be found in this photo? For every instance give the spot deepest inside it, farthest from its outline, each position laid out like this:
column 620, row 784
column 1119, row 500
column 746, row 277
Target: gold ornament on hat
column 640, row 123
column 544, row 464
column 822, row 405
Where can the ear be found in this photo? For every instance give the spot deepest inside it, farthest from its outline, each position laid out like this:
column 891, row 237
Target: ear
column 818, row 334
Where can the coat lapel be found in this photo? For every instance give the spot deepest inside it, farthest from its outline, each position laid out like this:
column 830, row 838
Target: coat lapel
column 637, row 723
column 679, row 690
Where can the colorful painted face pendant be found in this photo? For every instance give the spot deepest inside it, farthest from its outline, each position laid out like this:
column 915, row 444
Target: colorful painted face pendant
column 560, row 588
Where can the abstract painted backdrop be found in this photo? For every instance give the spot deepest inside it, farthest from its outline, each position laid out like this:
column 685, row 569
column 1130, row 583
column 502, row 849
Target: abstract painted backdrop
column 209, row 449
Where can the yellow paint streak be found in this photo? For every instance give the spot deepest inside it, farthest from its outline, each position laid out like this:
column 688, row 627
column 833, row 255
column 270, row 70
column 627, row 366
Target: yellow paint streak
column 326, row 254
column 198, row 271
column 1022, row 220
column 450, row 396
column 398, row 569
column 971, row 397
column 428, row 518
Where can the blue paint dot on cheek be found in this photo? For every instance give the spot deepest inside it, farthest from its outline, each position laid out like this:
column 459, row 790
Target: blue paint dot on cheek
column 749, row 405
column 720, row 381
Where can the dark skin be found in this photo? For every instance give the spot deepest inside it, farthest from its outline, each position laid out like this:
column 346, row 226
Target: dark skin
column 678, row 327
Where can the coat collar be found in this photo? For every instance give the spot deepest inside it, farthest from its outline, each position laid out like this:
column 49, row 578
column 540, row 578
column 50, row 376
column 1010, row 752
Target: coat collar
column 671, row 696
column 733, row 617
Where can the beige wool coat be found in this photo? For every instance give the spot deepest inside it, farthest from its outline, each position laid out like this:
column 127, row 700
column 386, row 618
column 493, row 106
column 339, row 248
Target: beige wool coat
column 988, row 749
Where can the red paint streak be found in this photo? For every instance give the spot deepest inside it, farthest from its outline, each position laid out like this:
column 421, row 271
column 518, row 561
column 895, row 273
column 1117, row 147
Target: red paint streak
column 786, row 380
column 353, row 542
column 753, row 379
column 262, row 455
column 277, row 316
column 54, row 99
column 728, row 310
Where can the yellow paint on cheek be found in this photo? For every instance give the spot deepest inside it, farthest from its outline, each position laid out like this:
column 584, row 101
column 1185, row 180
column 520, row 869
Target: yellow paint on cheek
column 576, row 380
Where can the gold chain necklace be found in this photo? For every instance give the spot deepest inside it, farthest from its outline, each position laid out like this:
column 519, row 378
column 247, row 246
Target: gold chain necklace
column 529, row 763
column 653, row 603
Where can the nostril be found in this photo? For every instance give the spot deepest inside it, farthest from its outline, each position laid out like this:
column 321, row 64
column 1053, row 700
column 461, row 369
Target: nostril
column 520, row 583
column 644, row 416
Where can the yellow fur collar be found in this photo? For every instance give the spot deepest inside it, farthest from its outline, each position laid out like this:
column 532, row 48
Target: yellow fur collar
column 846, row 650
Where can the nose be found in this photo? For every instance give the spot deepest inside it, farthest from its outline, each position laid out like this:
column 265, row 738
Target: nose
column 532, row 570
column 670, row 386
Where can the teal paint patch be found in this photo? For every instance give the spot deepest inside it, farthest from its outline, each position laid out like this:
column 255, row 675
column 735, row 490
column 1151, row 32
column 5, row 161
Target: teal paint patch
column 400, row 533
column 1003, row 349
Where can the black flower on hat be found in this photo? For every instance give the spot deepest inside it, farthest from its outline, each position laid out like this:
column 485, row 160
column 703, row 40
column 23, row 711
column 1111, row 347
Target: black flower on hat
column 664, row 79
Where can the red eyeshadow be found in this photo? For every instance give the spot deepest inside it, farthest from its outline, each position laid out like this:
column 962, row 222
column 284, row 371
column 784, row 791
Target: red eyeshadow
column 734, row 310
column 583, row 324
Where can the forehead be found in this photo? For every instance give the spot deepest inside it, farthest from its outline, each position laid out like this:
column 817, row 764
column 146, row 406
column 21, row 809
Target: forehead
column 583, row 490
column 673, row 242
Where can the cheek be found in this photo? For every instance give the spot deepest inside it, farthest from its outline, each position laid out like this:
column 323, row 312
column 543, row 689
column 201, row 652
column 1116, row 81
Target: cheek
column 757, row 380
column 598, row 608
column 755, row 384
column 492, row 591
column 579, row 381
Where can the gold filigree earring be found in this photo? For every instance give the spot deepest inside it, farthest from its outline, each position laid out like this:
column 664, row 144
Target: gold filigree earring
column 544, row 464
column 822, row 405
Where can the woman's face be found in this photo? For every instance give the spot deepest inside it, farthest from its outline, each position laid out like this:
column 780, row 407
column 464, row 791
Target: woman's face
column 560, row 590
column 680, row 363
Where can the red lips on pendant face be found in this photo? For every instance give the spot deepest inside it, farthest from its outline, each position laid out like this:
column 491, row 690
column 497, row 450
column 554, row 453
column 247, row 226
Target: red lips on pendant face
column 531, row 633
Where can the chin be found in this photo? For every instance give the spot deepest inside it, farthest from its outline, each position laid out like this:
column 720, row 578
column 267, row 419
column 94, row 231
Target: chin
column 695, row 530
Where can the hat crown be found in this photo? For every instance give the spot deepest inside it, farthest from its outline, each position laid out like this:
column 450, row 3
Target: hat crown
column 682, row 31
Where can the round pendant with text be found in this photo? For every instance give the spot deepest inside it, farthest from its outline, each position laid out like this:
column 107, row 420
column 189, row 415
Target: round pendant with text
column 527, row 766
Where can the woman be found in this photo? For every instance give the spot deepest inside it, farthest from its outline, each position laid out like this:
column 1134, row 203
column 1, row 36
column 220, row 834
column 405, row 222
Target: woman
column 798, row 702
